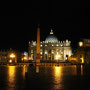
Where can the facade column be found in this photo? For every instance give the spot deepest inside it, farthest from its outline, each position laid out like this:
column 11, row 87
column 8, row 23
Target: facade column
column 55, row 54
column 63, row 54
column 51, row 54
column 43, row 55
column 47, row 54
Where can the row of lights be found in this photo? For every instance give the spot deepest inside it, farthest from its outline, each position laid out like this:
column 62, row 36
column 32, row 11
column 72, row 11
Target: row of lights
column 51, row 42
column 53, row 45
column 52, row 53
column 56, row 42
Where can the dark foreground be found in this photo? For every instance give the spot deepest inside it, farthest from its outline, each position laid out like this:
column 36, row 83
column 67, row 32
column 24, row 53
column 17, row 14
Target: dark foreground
column 45, row 78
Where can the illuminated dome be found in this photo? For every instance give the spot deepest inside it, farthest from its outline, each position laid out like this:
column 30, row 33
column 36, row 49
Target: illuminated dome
column 51, row 37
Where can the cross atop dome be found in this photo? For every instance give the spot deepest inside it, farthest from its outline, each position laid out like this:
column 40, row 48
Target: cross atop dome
column 51, row 32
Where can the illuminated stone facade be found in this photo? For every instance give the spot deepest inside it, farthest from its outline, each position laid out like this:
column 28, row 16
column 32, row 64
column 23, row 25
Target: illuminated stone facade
column 82, row 55
column 10, row 55
column 51, row 49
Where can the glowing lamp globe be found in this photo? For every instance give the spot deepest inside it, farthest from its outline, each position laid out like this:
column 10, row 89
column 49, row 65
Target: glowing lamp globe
column 80, row 44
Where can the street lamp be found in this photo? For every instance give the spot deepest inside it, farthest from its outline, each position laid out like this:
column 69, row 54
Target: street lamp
column 10, row 61
column 12, row 56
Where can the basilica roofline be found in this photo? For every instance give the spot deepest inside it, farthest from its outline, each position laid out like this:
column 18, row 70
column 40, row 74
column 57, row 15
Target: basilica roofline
column 59, row 43
column 52, row 42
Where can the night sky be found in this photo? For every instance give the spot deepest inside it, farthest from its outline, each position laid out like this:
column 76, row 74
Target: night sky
column 68, row 21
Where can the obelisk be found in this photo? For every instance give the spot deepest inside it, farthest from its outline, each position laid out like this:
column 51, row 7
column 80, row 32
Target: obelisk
column 38, row 46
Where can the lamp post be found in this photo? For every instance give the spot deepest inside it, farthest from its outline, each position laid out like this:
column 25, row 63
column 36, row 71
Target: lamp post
column 12, row 56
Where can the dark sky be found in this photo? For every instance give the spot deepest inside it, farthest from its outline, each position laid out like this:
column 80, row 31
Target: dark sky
column 68, row 21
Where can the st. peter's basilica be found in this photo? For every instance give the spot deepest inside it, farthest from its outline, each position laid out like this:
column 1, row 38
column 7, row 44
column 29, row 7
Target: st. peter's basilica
column 51, row 49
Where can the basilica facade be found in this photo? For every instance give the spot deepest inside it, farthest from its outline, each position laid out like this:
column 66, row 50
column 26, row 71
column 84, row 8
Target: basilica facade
column 51, row 49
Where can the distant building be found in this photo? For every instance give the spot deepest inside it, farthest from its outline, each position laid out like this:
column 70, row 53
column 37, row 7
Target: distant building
column 51, row 49
column 10, row 56
column 82, row 54
column 24, row 57
column 3, row 56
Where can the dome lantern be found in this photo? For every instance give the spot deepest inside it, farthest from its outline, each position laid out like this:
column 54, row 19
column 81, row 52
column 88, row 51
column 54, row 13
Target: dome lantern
column 51, row 38
column 51, row 32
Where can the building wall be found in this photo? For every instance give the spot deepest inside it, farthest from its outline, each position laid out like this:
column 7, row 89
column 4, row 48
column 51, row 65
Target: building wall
column 49, row 51
column 5, row 56
column 82, row 55
column 83, row 52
